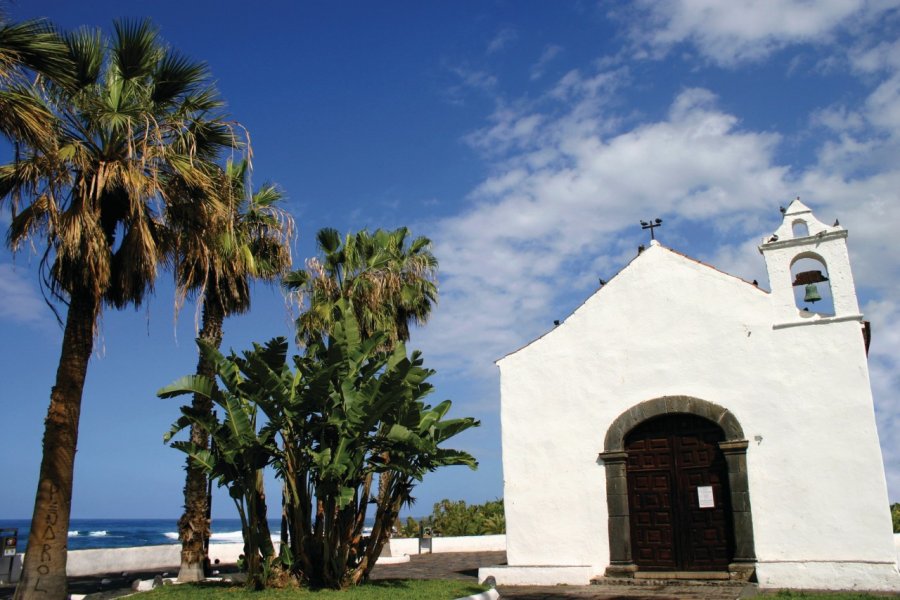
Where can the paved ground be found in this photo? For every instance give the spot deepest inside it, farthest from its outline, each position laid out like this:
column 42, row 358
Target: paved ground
column 631, row 592
column 450, row 565
column 464, row 565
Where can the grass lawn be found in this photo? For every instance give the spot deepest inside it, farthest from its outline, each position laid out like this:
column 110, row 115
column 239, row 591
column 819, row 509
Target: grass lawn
column 382, row 589
column 789, row 595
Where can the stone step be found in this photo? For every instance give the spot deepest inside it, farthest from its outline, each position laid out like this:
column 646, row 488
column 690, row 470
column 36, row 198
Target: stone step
column 699, row 575
column 710, row 578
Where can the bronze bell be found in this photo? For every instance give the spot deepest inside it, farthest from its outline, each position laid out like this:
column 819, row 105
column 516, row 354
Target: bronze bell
column 812, row 293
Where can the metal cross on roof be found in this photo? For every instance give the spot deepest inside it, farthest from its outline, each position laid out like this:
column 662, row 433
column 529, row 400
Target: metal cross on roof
column 651, row 226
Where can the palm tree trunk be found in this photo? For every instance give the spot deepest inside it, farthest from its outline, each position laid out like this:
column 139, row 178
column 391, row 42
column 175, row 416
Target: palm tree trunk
column 193, row 527
column 44, row 572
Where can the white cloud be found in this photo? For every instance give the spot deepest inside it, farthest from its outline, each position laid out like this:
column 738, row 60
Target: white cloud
column 838, row 118
column 469, row 79
column 728, row 33
column 883, row 105
column 21, row 302
column 550, row 52
column 524, row 126
column 877, row 63
column 741, row 259
column 536, row 225
column 475, row 79
column 510, row 128
column 879, row 56
column 503, row 39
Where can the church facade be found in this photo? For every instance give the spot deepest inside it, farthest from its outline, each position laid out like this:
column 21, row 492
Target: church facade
column 684, row 422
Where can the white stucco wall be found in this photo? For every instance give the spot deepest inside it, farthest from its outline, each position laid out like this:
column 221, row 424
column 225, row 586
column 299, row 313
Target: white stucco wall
column 667, row 325
column 469, row 543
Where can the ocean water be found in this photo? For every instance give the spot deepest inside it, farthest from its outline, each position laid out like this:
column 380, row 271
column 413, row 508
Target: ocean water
column 124, row 533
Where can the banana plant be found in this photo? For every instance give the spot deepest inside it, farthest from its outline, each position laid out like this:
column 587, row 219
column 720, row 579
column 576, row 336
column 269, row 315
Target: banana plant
column 347, row 411
column 239, row 450
column 356, row 411
column 337, row 406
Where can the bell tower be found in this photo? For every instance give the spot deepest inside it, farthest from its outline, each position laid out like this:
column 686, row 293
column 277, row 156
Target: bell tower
column 809, row 271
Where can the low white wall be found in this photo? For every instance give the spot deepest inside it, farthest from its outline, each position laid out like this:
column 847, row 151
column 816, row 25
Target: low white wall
column 473, row 543
column 120, row 560
column 141, row 558
column 149, row 558
column 469, row 543
column 110, row 560
column 401, row 546
column 227, row 554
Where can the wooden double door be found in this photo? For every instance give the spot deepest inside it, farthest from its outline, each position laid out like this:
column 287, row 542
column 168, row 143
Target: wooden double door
column 678, row 495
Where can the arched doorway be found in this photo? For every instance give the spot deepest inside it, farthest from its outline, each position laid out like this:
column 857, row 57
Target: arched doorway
column 678, row 495
column 615, row 456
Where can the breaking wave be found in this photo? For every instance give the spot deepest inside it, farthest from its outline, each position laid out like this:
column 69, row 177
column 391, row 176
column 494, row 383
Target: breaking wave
column 100, row 533
column 220, row 537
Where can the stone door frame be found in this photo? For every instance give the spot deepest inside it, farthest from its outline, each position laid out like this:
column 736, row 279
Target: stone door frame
column 614, row 459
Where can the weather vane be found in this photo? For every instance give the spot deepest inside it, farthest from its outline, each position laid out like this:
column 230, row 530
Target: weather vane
column 651, row 226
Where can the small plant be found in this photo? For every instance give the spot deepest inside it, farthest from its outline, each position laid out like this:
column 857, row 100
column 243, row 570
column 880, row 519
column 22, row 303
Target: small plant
column 895, row 516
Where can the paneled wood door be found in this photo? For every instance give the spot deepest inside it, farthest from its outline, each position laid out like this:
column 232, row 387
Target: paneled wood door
column 678, row 495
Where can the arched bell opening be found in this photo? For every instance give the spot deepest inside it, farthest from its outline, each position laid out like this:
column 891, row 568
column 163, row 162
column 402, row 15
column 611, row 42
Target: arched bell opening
column 618, row 453
column 812, row 286
column 800, row 228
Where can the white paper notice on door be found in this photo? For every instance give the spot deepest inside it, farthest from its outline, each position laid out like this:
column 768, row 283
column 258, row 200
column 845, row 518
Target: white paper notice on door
column 705, row 496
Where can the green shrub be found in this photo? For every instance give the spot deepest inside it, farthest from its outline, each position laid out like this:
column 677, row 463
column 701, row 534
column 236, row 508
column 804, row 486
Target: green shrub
column 450, row 518
column 895, row 516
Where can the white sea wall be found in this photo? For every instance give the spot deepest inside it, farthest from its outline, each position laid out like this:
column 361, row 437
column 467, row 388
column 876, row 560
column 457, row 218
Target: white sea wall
column 97, row 561
column 141, row 558
column 154, row 558
column 469, row 543
column 117, row 560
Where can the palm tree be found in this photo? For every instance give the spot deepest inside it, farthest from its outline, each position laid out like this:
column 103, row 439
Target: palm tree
column 28, row 50
column 137, row 114
column 219, row 247
column 389, row 284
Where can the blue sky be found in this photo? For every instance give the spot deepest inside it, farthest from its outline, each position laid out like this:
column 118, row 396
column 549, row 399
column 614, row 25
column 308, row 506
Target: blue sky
column 527, row 139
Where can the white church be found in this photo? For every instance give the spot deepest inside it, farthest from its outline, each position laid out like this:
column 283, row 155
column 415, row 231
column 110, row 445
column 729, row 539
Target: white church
column 683, row 422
